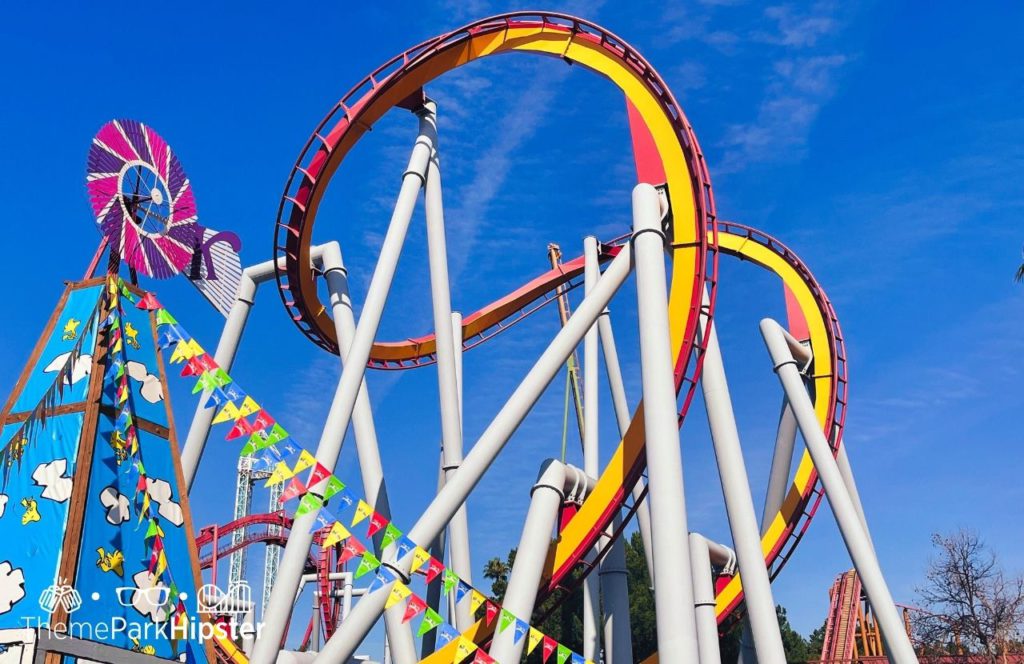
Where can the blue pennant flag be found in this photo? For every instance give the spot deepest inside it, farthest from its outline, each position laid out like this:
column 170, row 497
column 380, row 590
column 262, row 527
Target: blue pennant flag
column 379, row 581
column 113, row 369
column 521, row 628
column 387, row 573
column 446, row 633
column 322, row 520
column 405, row 545
column 169, row 335
column 576, row 659
column 221, row 395
column 345, row 497
column 461, row 590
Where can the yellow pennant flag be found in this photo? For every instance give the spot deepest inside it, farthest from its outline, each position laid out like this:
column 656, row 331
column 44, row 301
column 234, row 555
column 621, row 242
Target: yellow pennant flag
column 420, row 556
column 476, row 600
column 532, row 639
column 195, row 348
column 161, row 564
column 363, row 510
column 181, row 353
column 281, row 473
column 229, row 413
column 399, row 592
column 248, row 407
column 463, row 649
column 306, row 460
column 337, row 533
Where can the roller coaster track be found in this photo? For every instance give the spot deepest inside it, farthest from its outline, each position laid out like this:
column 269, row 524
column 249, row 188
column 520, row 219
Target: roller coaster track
column 696, row 238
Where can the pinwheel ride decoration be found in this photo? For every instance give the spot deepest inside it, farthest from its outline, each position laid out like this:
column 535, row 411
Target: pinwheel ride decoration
column 142, row 199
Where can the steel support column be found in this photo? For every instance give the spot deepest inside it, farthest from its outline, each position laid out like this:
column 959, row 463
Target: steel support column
column 673, row 595
column 704, row 600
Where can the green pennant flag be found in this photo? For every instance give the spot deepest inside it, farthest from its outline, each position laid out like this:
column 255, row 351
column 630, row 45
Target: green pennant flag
column 333, row 486
column 205, row 382
column 450, row 580
column 164, row 318
column 562, row 653
column 431, row 619
column 309, row 502
column 391, row 535
column 505, row 620
column 220, row 377
column 153, row 529
column 367, row 563
column 276, row 434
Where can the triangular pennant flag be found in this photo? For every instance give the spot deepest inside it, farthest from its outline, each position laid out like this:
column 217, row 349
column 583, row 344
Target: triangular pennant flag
column 450, row 581
column 263, row 420
column 563, row 653
column 404, row 547
column 446, row 633
column 461, row 590
column 239, row 429
column 535, row 637
column 420, row 556
column 377, row 522
column 248, row 407
column 337, row 533
column 522, row 627
column 333, row 486
column 482, row 657
column 164, row 318
column 476, row 600
column 154, row 530
column 415, row 606
column 306, row 460
column 276, row 434
column 281, row 473
column 218, row 377
column 379, row 581
column 322, row 521
column 294, row 489
column 398, row 592
column 352, row 548
column 367, row 563
column 490, row 611
column 391, row 535
column 547, row 647
column 317, row 475
column 435, row 567
column 149, row 303
column 463, row 649
column 576, row 658
column 309, row 503
column 257, row 441
column 506, row 619
column 363, row 510
column 229, row 413
column 343, row 497
column 431, row 619
column 192, row 368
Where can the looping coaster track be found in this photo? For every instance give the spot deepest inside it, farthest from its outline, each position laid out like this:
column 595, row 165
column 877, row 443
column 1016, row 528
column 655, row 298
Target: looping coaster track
column 694, row 240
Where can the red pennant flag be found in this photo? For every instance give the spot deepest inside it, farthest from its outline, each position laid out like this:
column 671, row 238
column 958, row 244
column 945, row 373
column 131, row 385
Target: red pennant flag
column 240, row 429
column 263, row 421
column 482, row 657
column 434, row 567
column 377, row 522
column 294, row 489
column 149, row 303
column 351, row 549
column 491, row 610
column 141, row 486
column 206, row 361
column 317, row 475
column 548, row 645
column 415, row 606
column 191, row 368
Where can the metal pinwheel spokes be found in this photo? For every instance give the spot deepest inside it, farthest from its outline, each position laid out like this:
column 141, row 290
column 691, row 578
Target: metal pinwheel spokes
column 142, row 199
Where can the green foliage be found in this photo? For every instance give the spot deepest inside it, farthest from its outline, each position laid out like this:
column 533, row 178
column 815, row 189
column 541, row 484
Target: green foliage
column 566, row 626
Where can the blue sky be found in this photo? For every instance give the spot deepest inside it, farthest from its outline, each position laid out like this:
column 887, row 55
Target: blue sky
column 880, row 141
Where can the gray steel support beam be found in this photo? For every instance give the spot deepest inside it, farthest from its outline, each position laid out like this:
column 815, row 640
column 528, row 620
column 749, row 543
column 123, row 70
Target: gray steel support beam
column 553, row 482
column 780, row 348
column 673, row 595
column 739, row 504
column 340, row 414
column 591, row 453
column 622, row 418
column 704, row 600
column 350, row 634
column 782, row 465
column 227, row 348
column 448, row 389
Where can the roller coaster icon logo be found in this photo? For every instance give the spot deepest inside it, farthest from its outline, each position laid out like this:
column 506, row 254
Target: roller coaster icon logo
column 212, row 599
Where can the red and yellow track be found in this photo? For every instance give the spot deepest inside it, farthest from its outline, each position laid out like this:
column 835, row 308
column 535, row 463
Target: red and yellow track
column 696, row 239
